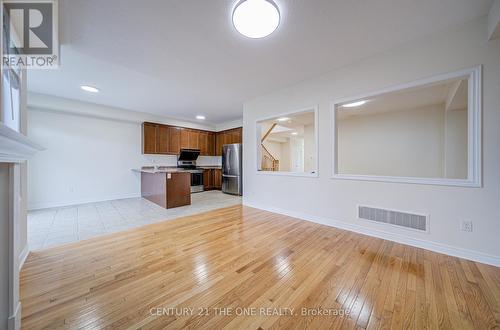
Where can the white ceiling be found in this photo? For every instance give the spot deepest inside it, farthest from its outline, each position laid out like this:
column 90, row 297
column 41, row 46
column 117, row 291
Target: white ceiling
column 183, row 57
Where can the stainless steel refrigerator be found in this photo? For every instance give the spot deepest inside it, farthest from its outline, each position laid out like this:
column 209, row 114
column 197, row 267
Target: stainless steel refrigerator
column 232, row 169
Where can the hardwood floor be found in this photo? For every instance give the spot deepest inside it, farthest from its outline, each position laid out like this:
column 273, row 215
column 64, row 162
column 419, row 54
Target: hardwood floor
column 214, row 266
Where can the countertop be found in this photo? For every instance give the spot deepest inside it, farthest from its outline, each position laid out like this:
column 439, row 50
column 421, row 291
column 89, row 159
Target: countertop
column 170, row 169
column 161, row 169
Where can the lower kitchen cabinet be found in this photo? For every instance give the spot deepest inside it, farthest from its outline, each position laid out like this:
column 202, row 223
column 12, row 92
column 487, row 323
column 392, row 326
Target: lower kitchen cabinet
column 208, row 179
column 178, row 189
column 217, row 179
column 212, row 179
column 166, row 189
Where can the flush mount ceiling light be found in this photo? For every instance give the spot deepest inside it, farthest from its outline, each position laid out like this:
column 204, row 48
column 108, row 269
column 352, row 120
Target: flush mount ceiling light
column 283, row 119
column 200, row 117
column 89, row 89
column 256, row 18
column 354, row 104
column 295, row 133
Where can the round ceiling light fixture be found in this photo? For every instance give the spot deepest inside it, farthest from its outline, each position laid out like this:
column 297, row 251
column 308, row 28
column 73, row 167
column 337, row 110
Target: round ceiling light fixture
column 256, row 18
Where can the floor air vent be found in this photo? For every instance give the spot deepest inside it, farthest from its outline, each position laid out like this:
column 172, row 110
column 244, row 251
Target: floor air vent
column 401, row 219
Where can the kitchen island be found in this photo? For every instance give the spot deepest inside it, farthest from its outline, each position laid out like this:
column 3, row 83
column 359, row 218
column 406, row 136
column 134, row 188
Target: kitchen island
column 166, row 186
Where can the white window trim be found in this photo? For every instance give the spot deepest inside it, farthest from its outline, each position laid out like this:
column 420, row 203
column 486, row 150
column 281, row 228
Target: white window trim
column 474, row 175
column 313, row 174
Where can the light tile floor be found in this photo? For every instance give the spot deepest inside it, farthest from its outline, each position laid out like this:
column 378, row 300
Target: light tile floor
column 51, row 227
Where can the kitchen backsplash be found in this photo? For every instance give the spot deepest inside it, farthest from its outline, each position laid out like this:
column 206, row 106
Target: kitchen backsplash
column 171, row 160
column 209, row 161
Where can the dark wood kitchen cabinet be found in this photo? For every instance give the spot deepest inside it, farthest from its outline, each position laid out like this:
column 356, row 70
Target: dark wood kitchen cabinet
column 169, row 140
column 149, row 132
column 162, row 140
column 193, row 139
column 217, row 179
column 227, row 137
column 167, row 189
column 178, row 189
column 184, row 144
column 174, row 140
column 208, row 179
column 203, row 143
column 211, row 144
column 206, row 143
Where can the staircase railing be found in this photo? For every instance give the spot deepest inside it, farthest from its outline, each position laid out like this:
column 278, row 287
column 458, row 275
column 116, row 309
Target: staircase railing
column 269, row 163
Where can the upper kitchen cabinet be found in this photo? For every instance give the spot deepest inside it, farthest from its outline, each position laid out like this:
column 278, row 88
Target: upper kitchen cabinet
column 159, row 139
column 211, row 144
column 203, row 143
column 184, row 138
column 165, row 139
column 174, row 140
column 149, row 132
column 193, row 139
column 236, row 135
column 227, row 137
column 162, row 139
column 206, row 143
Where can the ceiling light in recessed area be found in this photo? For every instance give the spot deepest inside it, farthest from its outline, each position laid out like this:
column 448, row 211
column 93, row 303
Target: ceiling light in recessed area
column 295, row 133
column 283, row 119
column 90, row 89
column 354, row 104
column 200, row 117
column 256, row 18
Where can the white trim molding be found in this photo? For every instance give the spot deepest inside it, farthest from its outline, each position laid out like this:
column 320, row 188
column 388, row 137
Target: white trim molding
column 23, row 256
column 14, row 321
column 398, row 238
column 14, row 237
column 312, row 174
column 474, row 178
column 15, row 147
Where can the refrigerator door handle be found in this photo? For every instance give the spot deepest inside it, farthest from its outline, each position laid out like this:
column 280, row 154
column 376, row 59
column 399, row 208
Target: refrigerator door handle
column 228, row 163
column 229, row 176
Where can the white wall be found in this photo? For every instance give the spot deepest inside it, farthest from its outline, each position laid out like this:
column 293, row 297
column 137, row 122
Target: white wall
column 397, row 143
column 67, row 106
column 87, row 159
column 455, row 144
column 274, row 147
column 309, row 148
column 228, row 125
column 285, row 160
column 334, row 202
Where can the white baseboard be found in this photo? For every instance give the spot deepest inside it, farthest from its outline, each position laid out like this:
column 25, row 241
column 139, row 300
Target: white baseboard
column 14, row 321
column 399, row 238
column 24, row 254
column 48, row 205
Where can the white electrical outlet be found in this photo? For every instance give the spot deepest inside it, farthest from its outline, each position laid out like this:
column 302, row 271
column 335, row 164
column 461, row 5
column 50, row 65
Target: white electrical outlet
column 466, row 226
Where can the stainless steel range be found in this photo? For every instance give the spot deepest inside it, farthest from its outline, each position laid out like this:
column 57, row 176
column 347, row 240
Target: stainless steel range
column 187, row 161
